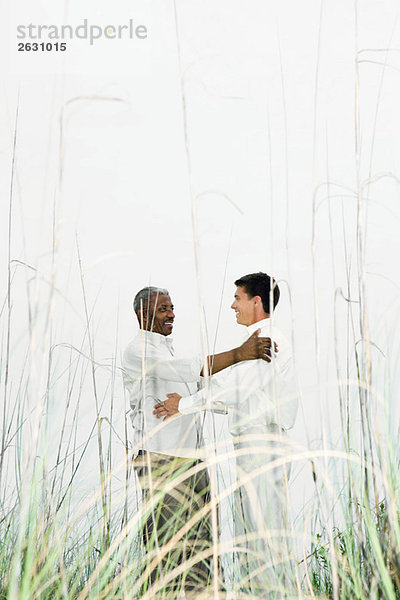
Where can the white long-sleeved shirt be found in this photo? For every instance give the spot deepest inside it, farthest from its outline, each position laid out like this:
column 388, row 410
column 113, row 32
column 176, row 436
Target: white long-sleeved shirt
column 151, row 372
column 256, row 394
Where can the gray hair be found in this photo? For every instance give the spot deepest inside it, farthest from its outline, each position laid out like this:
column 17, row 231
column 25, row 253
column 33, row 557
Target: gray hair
column 145, row 295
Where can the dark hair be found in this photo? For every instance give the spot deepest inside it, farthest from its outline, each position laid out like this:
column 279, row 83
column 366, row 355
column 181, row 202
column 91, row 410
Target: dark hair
column 259, row 284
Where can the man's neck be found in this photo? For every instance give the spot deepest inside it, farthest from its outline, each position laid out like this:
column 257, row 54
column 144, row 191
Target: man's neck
column 259, row 318
column 160, row 335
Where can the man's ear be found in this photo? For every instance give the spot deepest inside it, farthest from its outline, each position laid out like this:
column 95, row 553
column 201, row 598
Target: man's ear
column 257, row 300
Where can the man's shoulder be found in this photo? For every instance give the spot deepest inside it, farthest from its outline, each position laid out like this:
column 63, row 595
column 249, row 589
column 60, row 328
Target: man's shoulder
column 133, row 348
column 272, row 331
column 277, row 335
column 135, row 342
column 144, row 346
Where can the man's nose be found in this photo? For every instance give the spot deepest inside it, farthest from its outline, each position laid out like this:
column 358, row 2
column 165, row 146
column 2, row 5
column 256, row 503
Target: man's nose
column 233, row 305
column 171, row 314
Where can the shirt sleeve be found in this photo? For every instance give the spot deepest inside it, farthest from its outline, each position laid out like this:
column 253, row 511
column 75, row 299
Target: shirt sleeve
column 256, row 379
column 268, row 391
column 208, row 398
column 229, row 388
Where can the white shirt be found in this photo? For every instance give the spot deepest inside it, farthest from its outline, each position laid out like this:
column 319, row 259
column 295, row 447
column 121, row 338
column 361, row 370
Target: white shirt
column 257, row 394
column 151, row 372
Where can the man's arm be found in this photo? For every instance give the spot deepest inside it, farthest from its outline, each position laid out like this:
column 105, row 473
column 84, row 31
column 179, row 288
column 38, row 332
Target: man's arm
column 189, row 369
column 252, row 349
column 197, row 402
column 248, row 379
column 217, row 397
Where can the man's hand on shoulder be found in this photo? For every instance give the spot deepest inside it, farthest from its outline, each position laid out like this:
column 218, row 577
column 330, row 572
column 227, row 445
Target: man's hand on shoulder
column 257, row 347
column 169, row 408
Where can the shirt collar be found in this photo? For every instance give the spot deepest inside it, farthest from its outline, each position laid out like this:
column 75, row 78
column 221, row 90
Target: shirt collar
column 259, row 325
column 156, row 338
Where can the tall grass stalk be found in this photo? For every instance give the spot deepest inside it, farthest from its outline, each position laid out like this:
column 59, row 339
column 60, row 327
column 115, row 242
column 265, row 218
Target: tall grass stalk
column 213, row 483
column 8, row 330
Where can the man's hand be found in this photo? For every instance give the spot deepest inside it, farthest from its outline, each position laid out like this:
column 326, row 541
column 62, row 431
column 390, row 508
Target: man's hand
column 168, row 408
column 257, row 347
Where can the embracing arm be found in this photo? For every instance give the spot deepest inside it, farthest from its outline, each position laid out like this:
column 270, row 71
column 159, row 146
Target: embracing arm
column 217, row 396
column 220, row 393
column 138, row 358
column 252, row 349
column 205, row 399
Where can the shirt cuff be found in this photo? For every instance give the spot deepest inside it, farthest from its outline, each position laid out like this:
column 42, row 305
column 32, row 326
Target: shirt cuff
column 187, row 406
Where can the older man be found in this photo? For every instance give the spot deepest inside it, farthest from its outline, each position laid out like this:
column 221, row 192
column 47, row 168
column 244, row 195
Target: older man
column 262, row 404
column 164, row 453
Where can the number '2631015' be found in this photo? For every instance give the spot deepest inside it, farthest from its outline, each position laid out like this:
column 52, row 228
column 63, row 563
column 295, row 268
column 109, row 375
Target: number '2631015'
column 43, row 46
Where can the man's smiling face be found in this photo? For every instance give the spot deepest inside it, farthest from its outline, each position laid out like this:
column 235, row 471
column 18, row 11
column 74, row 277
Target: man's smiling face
column 244, row 307
column 159, row 316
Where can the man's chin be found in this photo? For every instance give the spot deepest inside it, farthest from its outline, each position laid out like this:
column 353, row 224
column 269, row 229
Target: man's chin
column 240, row 322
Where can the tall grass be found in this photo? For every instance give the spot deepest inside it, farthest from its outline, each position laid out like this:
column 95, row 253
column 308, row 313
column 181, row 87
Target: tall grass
column 65, row 538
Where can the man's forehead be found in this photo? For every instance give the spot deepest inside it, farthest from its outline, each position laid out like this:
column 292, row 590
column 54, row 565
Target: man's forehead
column 160, row 299
column 241, row 293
